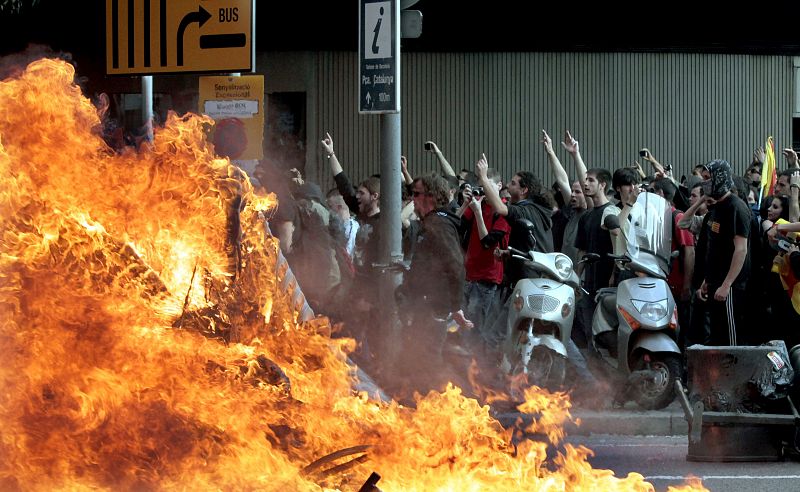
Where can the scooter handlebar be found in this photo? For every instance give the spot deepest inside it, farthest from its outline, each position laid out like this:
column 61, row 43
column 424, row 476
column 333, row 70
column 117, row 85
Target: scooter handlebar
column 517, row 252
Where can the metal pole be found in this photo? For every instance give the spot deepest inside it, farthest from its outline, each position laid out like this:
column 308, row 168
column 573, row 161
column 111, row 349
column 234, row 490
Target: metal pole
column 147, row 106
column 390, row 224
column 390, row 231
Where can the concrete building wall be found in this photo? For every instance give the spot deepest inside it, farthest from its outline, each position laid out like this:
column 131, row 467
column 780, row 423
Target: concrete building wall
column 686, row 108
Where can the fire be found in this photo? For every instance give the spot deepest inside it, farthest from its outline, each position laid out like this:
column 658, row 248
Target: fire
column 147, row 343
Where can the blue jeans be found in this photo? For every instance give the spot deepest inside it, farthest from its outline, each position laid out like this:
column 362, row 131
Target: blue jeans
column 480, row 300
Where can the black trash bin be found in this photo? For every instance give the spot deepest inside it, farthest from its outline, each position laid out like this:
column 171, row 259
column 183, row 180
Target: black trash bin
column 738, row 403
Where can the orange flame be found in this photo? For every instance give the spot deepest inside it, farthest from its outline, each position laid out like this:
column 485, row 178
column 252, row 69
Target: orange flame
column 114, row 266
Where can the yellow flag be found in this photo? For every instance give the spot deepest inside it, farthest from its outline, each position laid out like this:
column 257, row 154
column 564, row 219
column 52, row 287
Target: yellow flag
column 768, row 173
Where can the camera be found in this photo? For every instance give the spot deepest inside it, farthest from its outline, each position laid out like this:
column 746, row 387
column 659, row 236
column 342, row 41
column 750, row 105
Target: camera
column 785, row 244
column 478, row 191
column 643, row 153
column 428, row 146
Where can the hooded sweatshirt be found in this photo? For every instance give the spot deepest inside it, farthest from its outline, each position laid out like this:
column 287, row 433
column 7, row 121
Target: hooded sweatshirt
column 543, row 234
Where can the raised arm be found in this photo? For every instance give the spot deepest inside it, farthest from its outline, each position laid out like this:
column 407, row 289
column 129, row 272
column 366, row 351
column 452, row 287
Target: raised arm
column 447, row 169
column 492, row 195
column 665, row 171
column 562, row 180
column 466, row 199
column 685, row 221
column 475, row 205
column 638, row 168
column 407, row 179
column 791, row 158
column 572, row 148
column 327, row 146
column 794, row 197
column 627, row 200
column 343, row 183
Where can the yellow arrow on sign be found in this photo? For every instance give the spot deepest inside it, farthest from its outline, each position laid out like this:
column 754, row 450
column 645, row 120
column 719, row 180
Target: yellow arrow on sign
column 216, row 36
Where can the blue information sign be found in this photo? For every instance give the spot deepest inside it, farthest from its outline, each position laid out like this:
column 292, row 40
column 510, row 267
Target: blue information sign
column 379, row 56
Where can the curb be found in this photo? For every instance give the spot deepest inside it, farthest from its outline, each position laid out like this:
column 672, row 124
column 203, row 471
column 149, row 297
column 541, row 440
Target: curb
column 628, row 423
column 622, row 422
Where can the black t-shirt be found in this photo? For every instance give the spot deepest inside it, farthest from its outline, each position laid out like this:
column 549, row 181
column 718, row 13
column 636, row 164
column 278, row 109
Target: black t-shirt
column 560, row 221
column 366, row 248
column 592, row 238
column 729, row 218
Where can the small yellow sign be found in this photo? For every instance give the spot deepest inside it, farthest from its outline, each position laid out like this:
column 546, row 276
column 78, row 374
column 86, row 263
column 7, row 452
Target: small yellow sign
column 237, row 106
column 161, row 36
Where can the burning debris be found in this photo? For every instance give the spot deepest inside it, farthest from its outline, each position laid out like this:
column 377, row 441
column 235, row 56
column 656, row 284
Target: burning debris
column 148, row 343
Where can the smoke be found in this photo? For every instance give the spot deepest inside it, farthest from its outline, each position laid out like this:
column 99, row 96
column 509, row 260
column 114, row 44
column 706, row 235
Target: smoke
column 14, row 64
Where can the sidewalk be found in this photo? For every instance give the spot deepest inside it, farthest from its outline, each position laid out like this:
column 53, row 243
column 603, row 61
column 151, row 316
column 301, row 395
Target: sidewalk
column 628, row 421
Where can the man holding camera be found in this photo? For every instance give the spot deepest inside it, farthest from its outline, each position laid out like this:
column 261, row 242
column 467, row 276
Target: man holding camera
column 488, row 231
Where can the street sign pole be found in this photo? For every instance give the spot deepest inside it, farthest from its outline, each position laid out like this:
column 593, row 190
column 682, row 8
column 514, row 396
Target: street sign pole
column 379, row 93
column 147, row 106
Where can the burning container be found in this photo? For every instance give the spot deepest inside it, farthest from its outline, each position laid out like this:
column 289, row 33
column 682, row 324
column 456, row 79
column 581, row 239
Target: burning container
column 738, row 404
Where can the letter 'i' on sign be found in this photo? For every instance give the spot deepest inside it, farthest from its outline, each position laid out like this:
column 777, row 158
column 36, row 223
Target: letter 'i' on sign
column 171, row 36
column 379, row 56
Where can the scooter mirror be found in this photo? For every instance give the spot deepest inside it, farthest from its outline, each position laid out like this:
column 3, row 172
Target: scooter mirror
column 611, row 222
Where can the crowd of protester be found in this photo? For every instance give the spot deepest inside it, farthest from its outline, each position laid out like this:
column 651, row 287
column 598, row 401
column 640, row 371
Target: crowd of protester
column 734, row 276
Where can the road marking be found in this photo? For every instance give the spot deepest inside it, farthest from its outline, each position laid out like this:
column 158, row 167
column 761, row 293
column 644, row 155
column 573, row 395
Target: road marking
column 720, row 477
column 661, row 445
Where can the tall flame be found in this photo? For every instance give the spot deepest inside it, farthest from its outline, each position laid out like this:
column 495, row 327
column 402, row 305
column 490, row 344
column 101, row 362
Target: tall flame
column 146, row 343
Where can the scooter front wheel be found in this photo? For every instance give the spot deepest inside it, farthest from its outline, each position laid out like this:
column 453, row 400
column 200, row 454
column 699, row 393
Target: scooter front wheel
column 654, row 387
column 546, row 369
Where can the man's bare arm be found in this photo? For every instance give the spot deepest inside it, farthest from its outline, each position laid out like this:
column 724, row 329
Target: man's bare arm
column 791, row 158
column 447, row 169
column 573, row 148
column 794, row 197
column 739, row 255
column 475, row 205
column 685, row 221
column 562, row 180
column 327, row 146
column 660, row 169
column 407, row 179
column 492, row 195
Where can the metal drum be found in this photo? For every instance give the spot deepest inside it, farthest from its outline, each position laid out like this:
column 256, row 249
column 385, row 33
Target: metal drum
column 738, row 407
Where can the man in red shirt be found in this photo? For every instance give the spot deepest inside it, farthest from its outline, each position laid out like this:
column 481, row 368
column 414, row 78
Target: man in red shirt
column 488, row 232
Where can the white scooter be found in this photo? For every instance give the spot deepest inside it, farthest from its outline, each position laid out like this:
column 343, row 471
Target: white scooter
column 540, row 314
column 635, row 325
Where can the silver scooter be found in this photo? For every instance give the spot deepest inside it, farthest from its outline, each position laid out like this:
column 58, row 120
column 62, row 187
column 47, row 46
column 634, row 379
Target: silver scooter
column 635, row 325
column 540, row 313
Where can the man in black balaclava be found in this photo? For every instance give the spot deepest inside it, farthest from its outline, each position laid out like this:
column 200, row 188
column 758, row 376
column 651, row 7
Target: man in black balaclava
column 727, row 262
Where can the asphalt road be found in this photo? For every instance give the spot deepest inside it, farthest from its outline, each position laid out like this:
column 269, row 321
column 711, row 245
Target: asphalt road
column 662, row 461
